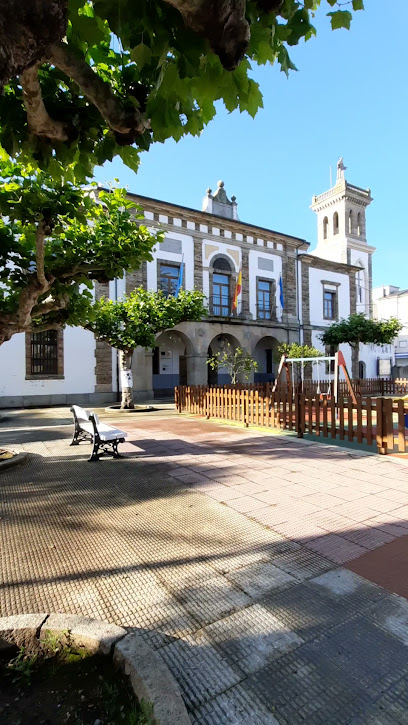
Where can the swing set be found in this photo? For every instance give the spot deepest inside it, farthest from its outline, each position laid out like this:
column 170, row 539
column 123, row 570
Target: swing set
column 287, row 364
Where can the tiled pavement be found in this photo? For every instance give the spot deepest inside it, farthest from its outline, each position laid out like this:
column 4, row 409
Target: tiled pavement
column 222, row 547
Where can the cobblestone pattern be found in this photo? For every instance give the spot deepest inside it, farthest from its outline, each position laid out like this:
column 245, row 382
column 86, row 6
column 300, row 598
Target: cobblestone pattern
column 257, row 627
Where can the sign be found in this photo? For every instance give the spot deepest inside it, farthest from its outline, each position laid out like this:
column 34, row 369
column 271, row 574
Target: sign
column 126, row 379
column 384, row 367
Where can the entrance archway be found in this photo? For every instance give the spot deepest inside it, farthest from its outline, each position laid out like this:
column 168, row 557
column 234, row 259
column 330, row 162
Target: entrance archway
column 170, row 362
column 217, row 345
column 266, row 355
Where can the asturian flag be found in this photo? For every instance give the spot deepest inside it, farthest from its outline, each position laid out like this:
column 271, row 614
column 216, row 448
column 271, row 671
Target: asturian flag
column 238, row 288
column 180, row 278
column 281, row 299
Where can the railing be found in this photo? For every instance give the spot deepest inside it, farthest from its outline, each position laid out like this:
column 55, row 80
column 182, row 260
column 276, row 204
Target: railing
column 380, row 422
column 221, row 305
column 265, row 313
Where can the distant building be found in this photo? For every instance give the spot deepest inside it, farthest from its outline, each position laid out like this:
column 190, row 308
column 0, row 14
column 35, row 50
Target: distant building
column 213, row 245
column 389, row 301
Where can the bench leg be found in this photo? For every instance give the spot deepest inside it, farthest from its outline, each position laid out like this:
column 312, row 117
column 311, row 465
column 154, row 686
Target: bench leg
column 116, row 453
column 94, row 455
column 75, row 441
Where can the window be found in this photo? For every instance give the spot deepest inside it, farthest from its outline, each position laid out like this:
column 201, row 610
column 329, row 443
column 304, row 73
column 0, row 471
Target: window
column 264, row 299
column 350, row 221
column 330, row 351
column 360, row 286
column 361, row 370
column 221, row 303
column 44, row 353
column 325, row 227
column 329, row 305
column 335, row 223
column 168, row 278
column 221, row 300
column 359, row 224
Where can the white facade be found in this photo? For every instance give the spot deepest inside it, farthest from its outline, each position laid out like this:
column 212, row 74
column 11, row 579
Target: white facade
column 390, row 301
column 340, row 267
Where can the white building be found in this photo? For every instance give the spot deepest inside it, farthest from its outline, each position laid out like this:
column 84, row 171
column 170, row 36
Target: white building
column 389, row 301
column 214, row 244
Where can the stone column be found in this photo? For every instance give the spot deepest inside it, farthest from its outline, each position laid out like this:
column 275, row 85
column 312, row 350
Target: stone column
column 197, row 369
column 142, row 370
column 245, row 285
column 103, row 351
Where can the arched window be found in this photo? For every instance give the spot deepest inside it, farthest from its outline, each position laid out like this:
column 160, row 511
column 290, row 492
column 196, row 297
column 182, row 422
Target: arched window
column 325, row 227
column 350, row 221
column 335, row 223
column 359, row 224
column 220, row 297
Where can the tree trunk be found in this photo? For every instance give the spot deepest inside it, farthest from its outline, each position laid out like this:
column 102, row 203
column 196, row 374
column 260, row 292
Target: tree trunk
column 355, row 354
column 126, row 379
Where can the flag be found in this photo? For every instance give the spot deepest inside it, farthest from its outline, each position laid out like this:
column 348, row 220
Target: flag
column 281, row 300
column 180, row 278
column 238, row 288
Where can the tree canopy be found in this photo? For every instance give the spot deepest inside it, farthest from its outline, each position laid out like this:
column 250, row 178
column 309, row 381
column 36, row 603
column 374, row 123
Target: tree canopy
column 294, row 349
column 55, row 243
column 84, row 81
column 136, row 319
column 358, row 329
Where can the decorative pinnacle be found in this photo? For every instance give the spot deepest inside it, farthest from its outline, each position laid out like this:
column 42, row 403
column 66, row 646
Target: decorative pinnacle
column 220, row 184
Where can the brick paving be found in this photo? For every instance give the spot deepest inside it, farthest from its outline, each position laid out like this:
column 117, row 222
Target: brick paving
column 224, row 549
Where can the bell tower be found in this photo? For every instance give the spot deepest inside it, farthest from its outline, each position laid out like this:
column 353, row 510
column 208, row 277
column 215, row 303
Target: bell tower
column 342, row 234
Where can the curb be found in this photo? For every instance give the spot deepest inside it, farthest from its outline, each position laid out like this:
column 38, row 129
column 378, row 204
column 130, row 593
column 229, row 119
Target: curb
column 149, row 676
column 17, row 459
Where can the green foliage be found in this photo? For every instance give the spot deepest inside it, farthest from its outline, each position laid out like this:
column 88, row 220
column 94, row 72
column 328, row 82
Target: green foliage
column 155, row 64
column 85, row 242
column 296, row 350
column 22, row 666
column 360, row 329
column 236, row 362
column 136, row 319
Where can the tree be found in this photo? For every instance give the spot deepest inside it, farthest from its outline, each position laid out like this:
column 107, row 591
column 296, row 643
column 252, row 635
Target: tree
column 136, row 319
column 55, row 243
column 296, row 350
column 359, row 329
column 85, row 81
column 236, row 362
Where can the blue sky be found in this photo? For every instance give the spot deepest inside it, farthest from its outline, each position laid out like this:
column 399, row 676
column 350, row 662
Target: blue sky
column 348, row 99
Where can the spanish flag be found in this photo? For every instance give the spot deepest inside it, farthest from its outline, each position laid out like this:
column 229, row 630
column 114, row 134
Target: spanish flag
column 237, row 292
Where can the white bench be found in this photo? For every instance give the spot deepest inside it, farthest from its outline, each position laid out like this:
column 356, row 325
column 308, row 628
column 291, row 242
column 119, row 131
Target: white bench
column 89, row 428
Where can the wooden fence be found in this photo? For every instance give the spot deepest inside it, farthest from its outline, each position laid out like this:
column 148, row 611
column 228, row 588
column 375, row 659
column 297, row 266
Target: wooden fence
column 369, row 386
column 376, row 422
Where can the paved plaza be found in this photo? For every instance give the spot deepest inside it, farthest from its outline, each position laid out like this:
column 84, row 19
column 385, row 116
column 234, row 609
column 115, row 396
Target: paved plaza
column 229, row 550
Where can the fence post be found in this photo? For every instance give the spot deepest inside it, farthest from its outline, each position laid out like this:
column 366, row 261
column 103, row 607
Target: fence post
column 298, row 415
column 381, row 428
column 246, row 408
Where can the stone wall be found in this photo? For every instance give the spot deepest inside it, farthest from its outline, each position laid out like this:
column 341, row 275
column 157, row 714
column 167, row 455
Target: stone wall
column 103, row 351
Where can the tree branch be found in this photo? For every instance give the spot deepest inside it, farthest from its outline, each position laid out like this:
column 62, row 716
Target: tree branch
column 39, row 121
column 39, row 254
column 222, row 22
column 129, row 124
column 53, row 305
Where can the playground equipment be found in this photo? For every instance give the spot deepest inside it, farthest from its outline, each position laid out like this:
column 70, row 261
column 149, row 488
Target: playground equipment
column 286, row 364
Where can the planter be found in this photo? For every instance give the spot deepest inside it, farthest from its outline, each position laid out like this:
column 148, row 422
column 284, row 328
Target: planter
column 113, row 666
column 10, row 460
column 136, row 409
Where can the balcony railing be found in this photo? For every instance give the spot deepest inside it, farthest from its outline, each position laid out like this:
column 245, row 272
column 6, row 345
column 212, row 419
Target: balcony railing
column 265, row 313
column 221, row 306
